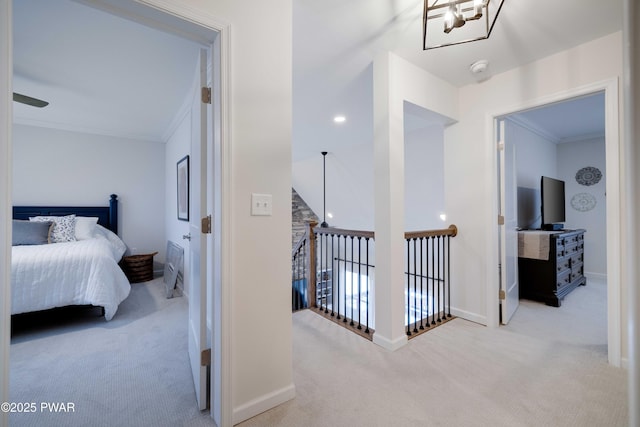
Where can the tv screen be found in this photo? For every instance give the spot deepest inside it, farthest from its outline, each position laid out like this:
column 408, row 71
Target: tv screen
column 552, row 195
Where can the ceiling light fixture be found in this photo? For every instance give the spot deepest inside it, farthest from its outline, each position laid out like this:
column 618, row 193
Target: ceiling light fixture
column 339, row 119
column 455, row 14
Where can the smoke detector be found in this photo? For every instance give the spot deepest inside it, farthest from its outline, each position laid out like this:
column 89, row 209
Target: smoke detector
column 479, row 70
column 479, row 67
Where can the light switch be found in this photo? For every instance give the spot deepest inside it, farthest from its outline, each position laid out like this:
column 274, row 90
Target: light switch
column 261, row 204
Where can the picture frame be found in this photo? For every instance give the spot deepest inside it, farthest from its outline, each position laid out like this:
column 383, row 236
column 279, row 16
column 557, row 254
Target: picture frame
column 182, row 170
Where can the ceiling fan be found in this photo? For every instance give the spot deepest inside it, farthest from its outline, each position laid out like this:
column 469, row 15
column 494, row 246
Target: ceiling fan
column 24, row 99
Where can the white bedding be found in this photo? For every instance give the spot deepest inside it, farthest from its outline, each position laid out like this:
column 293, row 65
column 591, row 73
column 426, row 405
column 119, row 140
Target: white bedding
column 71, row 273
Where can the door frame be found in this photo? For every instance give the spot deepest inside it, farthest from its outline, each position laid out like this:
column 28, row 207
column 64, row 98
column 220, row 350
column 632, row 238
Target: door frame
column 507, row 310
column 221, row 342
column 615, row 210
column 6, row 121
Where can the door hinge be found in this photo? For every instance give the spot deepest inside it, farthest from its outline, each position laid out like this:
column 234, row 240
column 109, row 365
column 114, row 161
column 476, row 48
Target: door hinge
column 206, row 95
column 500, row 146
column 500, row 219
column 206, row 225
column 503, row 294
column 205, row 357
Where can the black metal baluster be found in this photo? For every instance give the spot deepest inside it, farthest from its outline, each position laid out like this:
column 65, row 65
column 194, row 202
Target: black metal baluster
column 359, row 279
column 439, row 319
column 338, row 279
column 325, row 273
column 433, row 291
column 415, row 290
column 333, row 303
column 444, row 279
column 421, row 285
column 449, row 275
column 319, row 276
column 426, row 278
column 305, row 276
column 351, row 323
column 345, row 280
column 407, row 242
column 368, row 286
column 293, row 282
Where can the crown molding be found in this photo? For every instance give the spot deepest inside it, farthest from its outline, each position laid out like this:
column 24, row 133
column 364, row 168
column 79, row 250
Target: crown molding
column 88, row 130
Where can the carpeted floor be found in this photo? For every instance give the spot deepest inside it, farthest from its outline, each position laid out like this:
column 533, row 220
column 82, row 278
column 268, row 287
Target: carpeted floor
column 542, row 370
column 546, row 368
column 131, row 371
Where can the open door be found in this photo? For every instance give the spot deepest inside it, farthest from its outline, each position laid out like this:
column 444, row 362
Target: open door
column 508, row 223
column 198, row 355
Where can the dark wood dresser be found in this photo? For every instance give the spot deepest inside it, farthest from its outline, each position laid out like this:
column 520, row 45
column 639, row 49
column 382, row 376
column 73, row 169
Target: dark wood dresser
column 550, row 280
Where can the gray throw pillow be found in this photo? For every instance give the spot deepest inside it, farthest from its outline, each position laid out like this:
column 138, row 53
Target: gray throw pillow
column 31, row 233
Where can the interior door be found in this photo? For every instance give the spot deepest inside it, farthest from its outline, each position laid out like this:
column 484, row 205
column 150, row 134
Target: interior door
column 198, row 245
column 509, row 292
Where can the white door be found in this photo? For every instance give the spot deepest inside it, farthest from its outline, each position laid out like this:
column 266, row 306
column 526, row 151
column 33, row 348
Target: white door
column 198, row 245
column 509, row 295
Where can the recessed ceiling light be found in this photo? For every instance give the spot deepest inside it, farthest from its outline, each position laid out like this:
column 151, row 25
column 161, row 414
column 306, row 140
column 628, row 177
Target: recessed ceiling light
column 339, row 119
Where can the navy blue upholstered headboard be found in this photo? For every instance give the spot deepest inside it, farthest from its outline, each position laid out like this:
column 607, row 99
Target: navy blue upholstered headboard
column 107, row 215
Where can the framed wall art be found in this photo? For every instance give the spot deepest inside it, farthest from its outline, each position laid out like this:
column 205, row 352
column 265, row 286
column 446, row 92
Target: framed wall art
column 183, row 188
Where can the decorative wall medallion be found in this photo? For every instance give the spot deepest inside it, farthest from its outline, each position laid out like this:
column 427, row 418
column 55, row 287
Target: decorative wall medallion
column 588, row 176
column 583, row 202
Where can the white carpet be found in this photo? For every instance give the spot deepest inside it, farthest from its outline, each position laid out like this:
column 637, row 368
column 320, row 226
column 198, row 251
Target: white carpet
column 131, row 371
column 547, row 368
column 459, row 374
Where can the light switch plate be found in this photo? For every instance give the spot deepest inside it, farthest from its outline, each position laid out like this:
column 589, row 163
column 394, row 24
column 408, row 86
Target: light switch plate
column 261, row 204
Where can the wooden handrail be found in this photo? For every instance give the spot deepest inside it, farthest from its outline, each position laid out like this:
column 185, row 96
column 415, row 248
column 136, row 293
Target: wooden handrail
column 343, row 232
column 451, row 231
column 301, row 242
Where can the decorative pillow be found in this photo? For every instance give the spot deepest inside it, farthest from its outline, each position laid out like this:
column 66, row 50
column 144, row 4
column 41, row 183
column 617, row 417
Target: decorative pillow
column 85, row 227
column 31, row 233
column 64, row 227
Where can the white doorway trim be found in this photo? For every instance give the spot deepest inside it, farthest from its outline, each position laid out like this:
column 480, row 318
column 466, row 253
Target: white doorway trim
column 6, row 74
column 221, row 386
column 613, row 206
column 222, row 405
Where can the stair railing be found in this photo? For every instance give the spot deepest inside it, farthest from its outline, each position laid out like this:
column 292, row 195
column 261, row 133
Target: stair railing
column 333, row 273
column 302, row 264
column 344, row 278
column 427, row 279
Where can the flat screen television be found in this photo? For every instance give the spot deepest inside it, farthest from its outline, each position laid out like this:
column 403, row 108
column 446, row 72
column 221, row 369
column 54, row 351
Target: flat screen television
column 552, row 206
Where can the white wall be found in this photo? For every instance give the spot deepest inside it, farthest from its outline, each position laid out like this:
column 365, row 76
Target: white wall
column 177, row 146
column 256, row 258
column 535, row 157
column 470, row 157
column 55, row 167
column 349, row 177
column 573, row 156
column 424, row 179
column 349, row 183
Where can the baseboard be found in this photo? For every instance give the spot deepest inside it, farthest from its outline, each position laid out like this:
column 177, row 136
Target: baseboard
column 263, row 403
column 391, row 345
column 624, row 363
column 595, row 276
column 467, row 315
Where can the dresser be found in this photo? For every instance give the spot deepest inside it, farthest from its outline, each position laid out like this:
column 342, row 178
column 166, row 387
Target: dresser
column 554, row 268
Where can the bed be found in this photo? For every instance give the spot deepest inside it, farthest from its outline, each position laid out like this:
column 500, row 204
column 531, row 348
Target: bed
column 82, row 270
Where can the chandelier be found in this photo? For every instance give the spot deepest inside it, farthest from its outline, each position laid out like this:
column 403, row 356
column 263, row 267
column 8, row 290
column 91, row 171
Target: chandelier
column 462, row 21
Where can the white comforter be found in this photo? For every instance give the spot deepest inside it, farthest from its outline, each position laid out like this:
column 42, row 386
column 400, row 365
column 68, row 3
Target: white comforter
column 72, row 273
